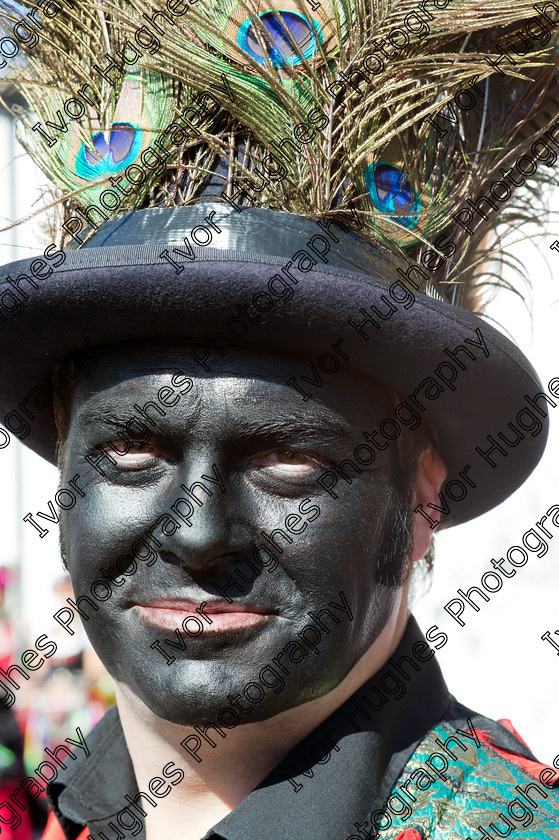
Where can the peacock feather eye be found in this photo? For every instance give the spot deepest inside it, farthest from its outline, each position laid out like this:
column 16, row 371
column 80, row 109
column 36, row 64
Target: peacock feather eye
column 279, row 26
column 122, row 149
column 392, row 193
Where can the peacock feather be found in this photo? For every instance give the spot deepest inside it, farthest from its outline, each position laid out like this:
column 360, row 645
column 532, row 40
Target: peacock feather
column 281, row 36
column 81, row 155
column 389, row 108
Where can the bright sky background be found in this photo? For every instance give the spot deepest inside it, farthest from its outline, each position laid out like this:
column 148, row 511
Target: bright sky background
column 497, row 663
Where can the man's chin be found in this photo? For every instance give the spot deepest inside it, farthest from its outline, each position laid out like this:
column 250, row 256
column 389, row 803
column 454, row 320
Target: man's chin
column 201, row 695
column 201, row 712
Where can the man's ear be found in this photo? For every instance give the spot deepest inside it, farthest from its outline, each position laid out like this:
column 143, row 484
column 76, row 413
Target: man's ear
column 431, row 473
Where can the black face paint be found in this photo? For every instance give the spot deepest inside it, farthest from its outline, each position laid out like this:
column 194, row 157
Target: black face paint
column 241, row 429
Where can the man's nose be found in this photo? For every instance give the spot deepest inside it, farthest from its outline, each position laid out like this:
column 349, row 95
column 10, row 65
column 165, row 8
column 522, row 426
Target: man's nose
column 208, row 533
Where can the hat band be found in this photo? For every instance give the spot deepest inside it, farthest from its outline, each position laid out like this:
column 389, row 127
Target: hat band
column 216, row 231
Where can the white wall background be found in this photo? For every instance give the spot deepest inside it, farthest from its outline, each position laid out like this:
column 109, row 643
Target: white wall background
column 26, row 481
column 497, row 663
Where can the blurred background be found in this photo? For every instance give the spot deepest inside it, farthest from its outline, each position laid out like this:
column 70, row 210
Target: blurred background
column 497, row 663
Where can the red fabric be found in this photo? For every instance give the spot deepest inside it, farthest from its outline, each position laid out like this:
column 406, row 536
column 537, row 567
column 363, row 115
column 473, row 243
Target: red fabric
column 534, row 768
column 53, row 831
column 23, row 830
column 508, row 724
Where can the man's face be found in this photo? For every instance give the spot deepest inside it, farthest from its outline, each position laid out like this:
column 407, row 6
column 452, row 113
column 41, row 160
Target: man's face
column 247, row 437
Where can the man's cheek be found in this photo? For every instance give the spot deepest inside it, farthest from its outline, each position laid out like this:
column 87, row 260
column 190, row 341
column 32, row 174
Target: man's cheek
column 333, row 554
column 100, row 529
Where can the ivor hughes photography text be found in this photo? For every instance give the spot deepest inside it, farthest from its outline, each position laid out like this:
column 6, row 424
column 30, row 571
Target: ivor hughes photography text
column 277, row 396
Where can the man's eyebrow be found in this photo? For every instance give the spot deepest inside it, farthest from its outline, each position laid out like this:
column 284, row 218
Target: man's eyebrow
column 94, row 416
column 287, row 426
column 283, row 426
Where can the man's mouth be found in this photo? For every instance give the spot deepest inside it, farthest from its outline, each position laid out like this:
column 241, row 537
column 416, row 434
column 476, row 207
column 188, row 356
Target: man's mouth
column 202, row 618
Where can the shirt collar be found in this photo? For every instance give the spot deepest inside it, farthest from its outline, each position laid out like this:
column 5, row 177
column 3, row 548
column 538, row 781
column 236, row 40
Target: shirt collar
column 333, row 779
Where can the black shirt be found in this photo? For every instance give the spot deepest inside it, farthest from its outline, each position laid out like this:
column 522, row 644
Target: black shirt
column 328, row 784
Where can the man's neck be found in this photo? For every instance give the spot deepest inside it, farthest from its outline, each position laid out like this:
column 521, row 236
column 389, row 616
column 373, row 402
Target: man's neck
column 213, row 788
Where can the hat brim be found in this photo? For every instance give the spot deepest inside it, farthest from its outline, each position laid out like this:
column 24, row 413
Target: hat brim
column 103, row 295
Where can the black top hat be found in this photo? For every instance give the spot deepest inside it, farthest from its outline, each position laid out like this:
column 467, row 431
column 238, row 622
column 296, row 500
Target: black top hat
column 288, row 282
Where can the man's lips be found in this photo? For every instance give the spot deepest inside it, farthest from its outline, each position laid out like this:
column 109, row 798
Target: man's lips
column 212, row 616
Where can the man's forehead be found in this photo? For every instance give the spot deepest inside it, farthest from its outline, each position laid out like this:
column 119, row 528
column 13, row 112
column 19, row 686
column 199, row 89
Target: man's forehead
column 124, row 362
column 245, row 378
column 122, row 366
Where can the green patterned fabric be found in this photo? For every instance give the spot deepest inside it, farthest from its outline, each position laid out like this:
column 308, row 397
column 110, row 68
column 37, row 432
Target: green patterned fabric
column 485, row 792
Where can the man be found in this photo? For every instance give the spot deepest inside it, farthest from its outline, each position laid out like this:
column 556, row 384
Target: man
column 260, row 417
column 241, row 554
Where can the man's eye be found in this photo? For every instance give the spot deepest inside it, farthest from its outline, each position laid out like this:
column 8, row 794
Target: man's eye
column 283, row 458
column 135, row 457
